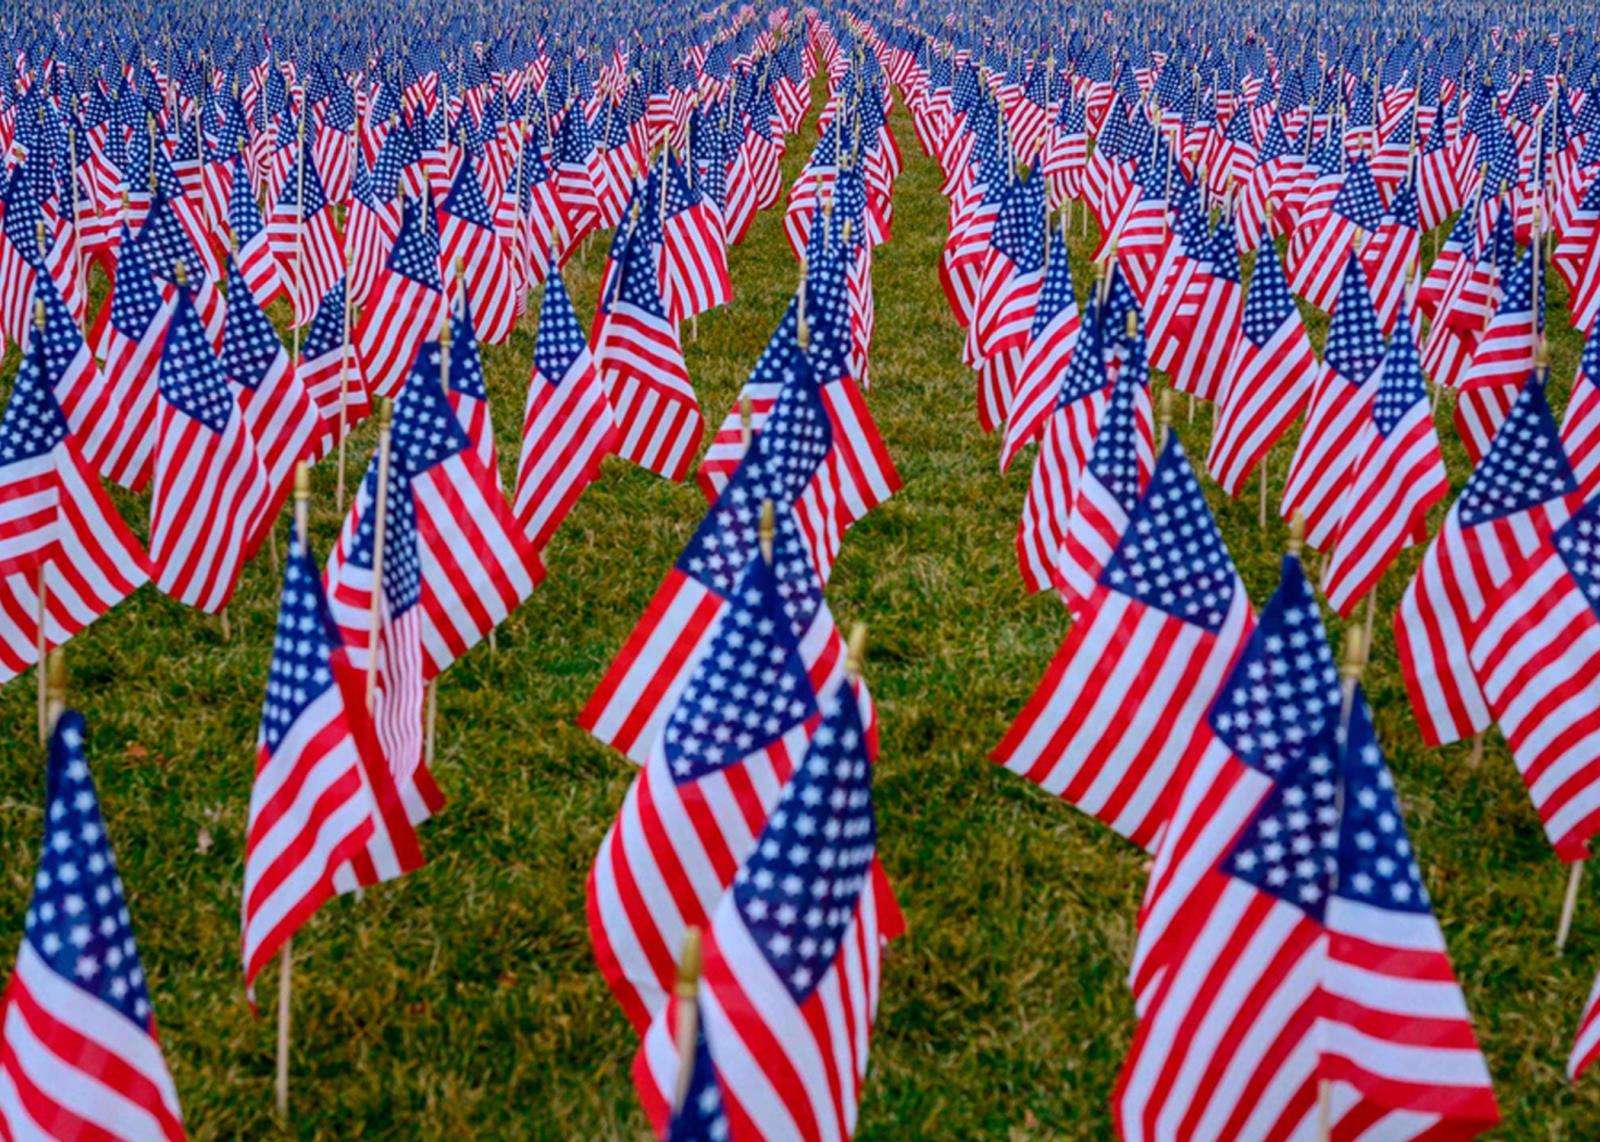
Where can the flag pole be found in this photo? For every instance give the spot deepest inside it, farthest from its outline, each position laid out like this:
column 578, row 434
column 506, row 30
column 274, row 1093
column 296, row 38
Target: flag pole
column 688, row 1013
column 380, row 510
column 431, row 717
column 43, row 640
column 302, row 518
column 1349, row 678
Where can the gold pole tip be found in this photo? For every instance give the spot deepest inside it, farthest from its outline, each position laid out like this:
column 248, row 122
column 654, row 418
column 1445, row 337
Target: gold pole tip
column 856, row 649
column 180, row 273
column 1133, row 324
column 55, row 675
column 38, row 313
column 1354, row 653
column 1297, row 532
column 302, row 481
column 1166, row 408
column 689, row 963
column 385, row 412
column 769, row 526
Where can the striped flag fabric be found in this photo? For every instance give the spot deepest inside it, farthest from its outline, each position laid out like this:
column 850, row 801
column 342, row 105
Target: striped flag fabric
column 405, row 306
column 79, row 1054
column 790, row 987
column 252, row 249
column 322, row 799
column 468, row 242
column 1397, row 474
column 121, row 445
column 729, row 742
column 1586, row 1045
column 567, row 426
column 1520, row 492
column 330, row 371
column 1536, row 653
column 1580, row 424
column 58, row 528
column 1051, row 340
column 641, row 364
column 1320, row 468
column 1310, row 952
column 628, row 708
column 1503, row 356
column 1268, row 378
column 1141, row 665
column 209, row 493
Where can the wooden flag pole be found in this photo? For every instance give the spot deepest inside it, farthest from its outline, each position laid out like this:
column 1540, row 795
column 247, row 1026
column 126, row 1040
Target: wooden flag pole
column 55, row 687
column 746, row 423
column 688, row 1022
column 1261, row 512
column 302, row 523
column 431, row 714
column 769, row 527
column 1349, row 676
column 43, row 592
column 1568, row 906
column 345, row 349
column 380, row 509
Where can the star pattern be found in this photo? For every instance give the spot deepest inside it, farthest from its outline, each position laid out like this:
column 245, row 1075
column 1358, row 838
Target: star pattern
column 416, row 248
column 465, row 199
column 1086, row 372
column 250, row 345
column 827, row 312
column 302, row 649
column 702, row 1116
column 1285, row 687
column 164, row 244
column 561, row 343
column 1056, row 296
column 190, row 376
column 1578, row 543
column 33, row 423
column 1355, row 339
column 1358, row 198
column 244, row 215
column 1114, row 455
column 466, row 363
column 799, row 890
column 426, row 430
column 325, row 334
column 748, row 689
column 1401, row 386
column 78, row 918
column 1377, row 864
column 1019, row 228
column 63, row 343
column 1171, row 555
column 641, row 261
column 1525, row 466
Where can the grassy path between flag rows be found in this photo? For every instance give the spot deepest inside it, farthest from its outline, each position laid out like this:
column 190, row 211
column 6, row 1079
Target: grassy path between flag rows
column 462, row 1002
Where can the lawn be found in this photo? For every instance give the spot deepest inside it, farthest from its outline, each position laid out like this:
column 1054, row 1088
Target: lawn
column 462, row 1001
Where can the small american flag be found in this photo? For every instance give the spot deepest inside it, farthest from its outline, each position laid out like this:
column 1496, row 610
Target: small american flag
column 1521, row 491
column 1536, row 652
column 1051, row 341
column 1580, row 425
column 322, row 799
column 1308, row 950
column 1153, row 643
column 80, row 1056
column 1502, row 358
column 567, row 428
column 406, row 306
column 209, row 494
column 1267, row 386
column 253, row 249
column 726, row 748
column 468, row 240
column 694, row 252
column 329, row 361
column 1396, row 476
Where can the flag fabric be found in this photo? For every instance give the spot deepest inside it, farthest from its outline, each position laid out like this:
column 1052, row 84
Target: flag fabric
column 209, row 494
column 641, row 365
column 628, row 708
column 790, row 987
column 1520, row 491
column 406, row 305
column 1320, row 468
column 1397, row 474
column 1139, row 669
column 1580, row 424
column 1536, row 653
column 1051, row 341
column 726, row 748
column 123, row 439
column 468, row 243
column 322, row 798
column 79, row 1056
column 1268, row 377
column 1500, row 360
column 567, row 426
column 58, row 528
column 1310, row 952
column 331, row 373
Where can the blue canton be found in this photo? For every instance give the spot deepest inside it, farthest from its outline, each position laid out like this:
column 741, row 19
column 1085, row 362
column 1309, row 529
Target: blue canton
column 302, row 649
column 1056, row 296
column 1114, row 456
column 1578, row 543
column 798, row 891
column 466, row 363
column 1377, row 865
column 1526, row 464
column 190, row 376
column 1355, row 339
column 325, row 334
column 560, row 343
column 1401, row 386
column 416, row 248
column 33, row 423
column 250, row 345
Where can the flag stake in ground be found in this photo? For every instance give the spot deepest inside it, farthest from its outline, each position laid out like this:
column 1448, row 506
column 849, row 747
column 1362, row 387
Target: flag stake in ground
column 380, row 510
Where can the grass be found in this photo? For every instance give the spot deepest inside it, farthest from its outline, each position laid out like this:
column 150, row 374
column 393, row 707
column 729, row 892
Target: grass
column 463, row 1001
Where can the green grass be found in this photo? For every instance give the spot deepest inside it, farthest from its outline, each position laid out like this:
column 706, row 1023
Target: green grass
column 462, row 1001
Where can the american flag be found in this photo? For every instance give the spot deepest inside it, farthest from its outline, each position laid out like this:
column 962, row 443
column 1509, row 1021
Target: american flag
column 1501, row 359
column 466, row 390
column 628, row 708
column 1137, row 672
column 694, row 251
column 1008, row 286
column 1114, row 473
column 1536, row 653
column 1356, row 208
column 322, row 798
column 1268, row 378
column 1520, row 491
column 281, row 415
column 406, row 306
column 1308, row 949
column 248, row 231
column 305, row 239
column 209, row 493
column 1064, row 446
column 1580, row 424
column 1392, row 256
column 567, row 428
column 468, row 241
column 80, row 1057
column 329, row 367
column 576, row 167
column 1051, row 341
column 641, row 364
column 58, row 528
column 1396, row 476
column 728, row 744
column 1320, row 468
column 1212, row 309
column 371, row 224
column 1586, row 1045
column 790, row 987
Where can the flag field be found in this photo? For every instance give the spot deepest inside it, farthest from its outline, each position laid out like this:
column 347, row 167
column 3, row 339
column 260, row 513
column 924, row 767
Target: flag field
column 462, row 1000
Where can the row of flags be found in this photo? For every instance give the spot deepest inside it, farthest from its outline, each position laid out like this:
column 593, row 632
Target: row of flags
column 736, row 695
column 1289, row 977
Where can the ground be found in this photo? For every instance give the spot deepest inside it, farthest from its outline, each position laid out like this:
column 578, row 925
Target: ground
column 463, row 1001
